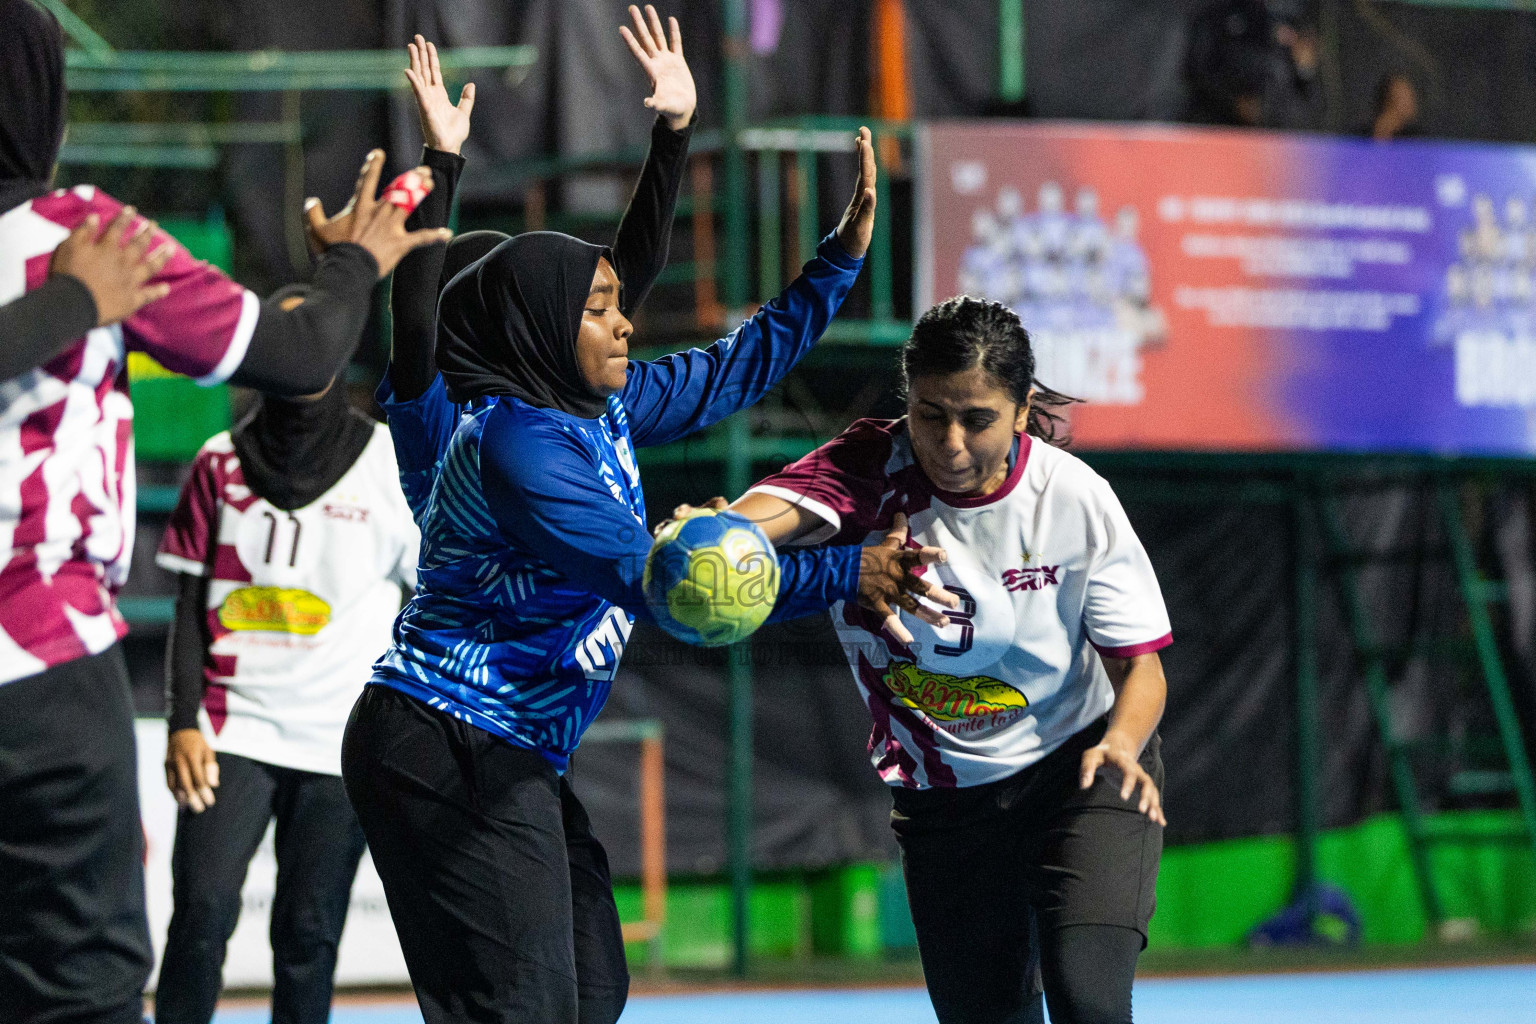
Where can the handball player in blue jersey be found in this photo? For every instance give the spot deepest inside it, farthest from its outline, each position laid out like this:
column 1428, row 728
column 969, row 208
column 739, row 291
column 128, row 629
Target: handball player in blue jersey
column 534, row 542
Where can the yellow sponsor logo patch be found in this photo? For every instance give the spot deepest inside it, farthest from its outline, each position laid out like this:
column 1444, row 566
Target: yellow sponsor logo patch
column 274, row 609
column 951, row 698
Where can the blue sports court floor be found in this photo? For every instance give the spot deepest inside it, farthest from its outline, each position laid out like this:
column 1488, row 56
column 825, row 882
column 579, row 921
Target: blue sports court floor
column 1484, row 995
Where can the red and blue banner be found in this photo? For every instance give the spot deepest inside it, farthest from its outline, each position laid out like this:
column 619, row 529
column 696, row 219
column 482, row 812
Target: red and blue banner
column 1213, row 289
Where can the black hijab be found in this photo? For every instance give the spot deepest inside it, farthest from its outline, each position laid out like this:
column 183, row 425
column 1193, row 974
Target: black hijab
column 466, row 249
column 292, row 450
column 507, row 324
column 32, row 97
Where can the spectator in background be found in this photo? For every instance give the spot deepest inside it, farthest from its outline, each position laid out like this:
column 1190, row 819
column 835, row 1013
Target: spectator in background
column 1395, row 114
column 1252, row 65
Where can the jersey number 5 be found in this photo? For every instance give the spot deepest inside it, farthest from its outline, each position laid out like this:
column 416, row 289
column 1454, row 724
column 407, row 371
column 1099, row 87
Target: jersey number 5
column 962, row 617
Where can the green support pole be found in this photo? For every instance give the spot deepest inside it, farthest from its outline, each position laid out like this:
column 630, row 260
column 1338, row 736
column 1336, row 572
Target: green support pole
column 770, row 231
column 1308, row 747
column 808, row 209
column 881, row 259
column 1474, row 592
column 738, row 468
column 1368, row 651
column 1010, row 50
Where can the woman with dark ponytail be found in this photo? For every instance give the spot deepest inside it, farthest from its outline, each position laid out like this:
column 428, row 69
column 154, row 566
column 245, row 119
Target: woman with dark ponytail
column 1020, row 738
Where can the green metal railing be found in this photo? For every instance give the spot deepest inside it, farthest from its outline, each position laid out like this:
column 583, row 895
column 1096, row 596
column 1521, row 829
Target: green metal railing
column 270, row 70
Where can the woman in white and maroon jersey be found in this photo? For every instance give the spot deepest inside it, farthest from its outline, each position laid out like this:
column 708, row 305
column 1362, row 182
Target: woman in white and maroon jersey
column 993, row 729
column 293, row 542
column 74, row 939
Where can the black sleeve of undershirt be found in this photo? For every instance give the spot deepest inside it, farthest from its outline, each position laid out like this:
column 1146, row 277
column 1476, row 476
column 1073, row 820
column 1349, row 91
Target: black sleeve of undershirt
column 298, row 351
column 184, row 653
column 645, row 233
column 42, row 323
column 413, row 288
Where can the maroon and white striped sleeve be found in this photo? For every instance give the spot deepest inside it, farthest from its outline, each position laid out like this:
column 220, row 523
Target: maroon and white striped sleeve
column 841, row 483
column 192, row 532
column 202, row 328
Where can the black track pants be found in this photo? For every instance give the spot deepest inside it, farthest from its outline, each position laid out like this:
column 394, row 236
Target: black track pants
column 319, row 844
column 498, row 889
column 74, row 939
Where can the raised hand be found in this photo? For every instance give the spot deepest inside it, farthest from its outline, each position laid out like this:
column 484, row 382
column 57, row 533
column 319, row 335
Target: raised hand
column 672, row 92
column 116, row 274
column 444, row 126
column 858, row 223
column 377, row 226
column 886, row 578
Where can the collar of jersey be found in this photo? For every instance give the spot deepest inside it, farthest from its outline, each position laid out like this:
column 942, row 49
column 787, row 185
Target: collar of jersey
column 1014, row 476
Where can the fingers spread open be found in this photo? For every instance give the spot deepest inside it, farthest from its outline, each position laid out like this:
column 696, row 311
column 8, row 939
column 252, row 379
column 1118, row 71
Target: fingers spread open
column 932, row 616
column 658, row 34
column 363, row 197
column 896, row 536
column 1092, row 759
column 929, row 589
column 1132, row 775
column 434, row 68
column 86, row 230
column 118, row 229
column 467, row 98
column 633, row 44
column 642, row 32
column 677, row 36
column 893, row 624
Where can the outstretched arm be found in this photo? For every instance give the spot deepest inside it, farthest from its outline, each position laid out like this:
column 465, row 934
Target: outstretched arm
column 413, row 289
column 548, row 497
column 297, row 350
column 688, row 391
column 645, row 233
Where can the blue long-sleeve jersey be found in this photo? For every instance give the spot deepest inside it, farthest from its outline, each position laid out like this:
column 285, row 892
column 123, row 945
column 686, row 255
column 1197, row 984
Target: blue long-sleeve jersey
column 533, row 526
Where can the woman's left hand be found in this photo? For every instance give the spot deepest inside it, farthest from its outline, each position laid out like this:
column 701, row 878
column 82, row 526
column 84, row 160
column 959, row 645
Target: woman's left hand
column 1117, row 751
column 673, row 95
column 444, row 124
column 858, row 224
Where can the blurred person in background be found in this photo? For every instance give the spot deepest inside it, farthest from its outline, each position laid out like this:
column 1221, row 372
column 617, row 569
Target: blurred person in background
column 1395, row 112
column 1252, row 64
column 292, row 541
column 74, row 939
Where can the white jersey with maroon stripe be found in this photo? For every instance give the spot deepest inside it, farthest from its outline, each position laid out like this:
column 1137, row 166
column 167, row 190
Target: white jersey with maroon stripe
column 1047, row 569
column 300, row 603
column 66, row 438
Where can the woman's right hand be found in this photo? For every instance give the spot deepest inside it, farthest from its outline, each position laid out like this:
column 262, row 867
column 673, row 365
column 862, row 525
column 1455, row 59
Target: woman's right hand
column 887, row 577
column 444, row 126
column 370, row 221
column 116, row 265
column 191, row 769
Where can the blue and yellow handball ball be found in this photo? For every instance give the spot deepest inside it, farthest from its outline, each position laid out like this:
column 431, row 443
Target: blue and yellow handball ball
column 711, row 578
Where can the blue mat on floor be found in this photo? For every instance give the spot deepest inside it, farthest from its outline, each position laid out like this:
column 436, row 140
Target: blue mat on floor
column 1470, row 995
